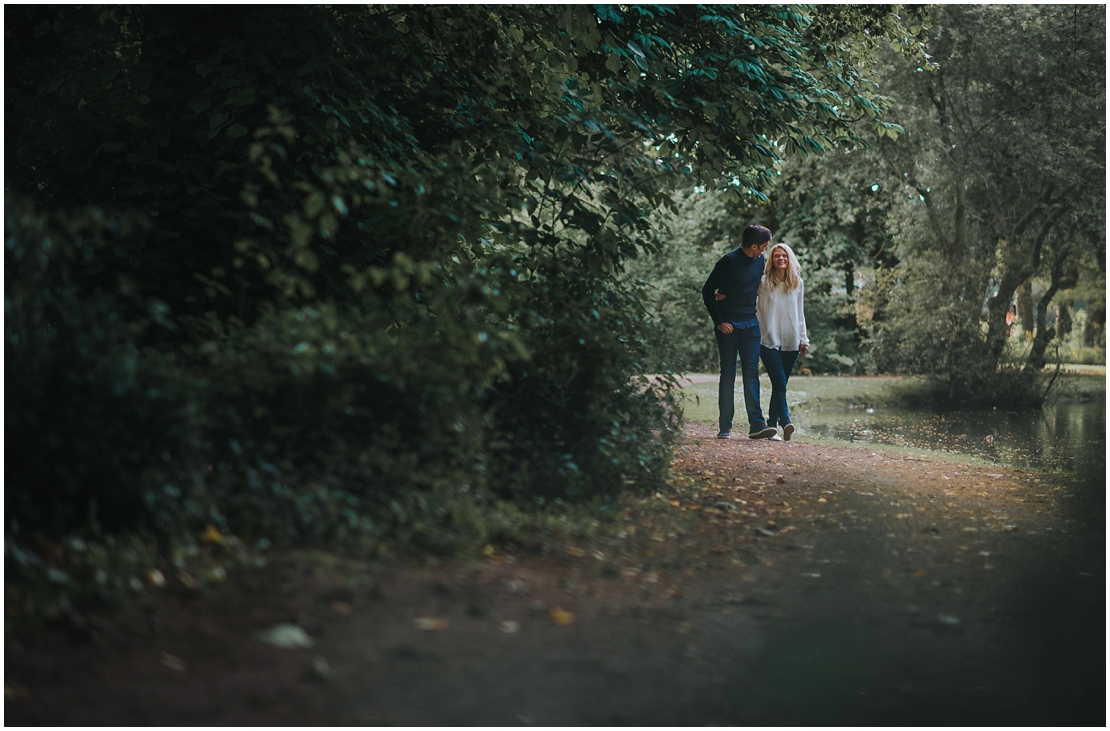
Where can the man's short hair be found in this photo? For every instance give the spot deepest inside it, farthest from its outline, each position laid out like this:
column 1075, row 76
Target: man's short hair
column 754, row 235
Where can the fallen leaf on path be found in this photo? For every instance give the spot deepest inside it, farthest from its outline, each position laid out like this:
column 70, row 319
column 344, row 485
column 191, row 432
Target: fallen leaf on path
column 285, row 637
column 920, row 573
column 343, row 609
column 157, row 578
column 319, row 669
column 510, row 628
column 561, row 617
column 576, row 552
column 172, row 662
column 822, row 500
column 946, row 619
column 430, row 624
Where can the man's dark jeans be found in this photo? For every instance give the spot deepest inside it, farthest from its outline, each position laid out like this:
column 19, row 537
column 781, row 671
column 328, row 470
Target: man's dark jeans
column 778, row 364
column 745, row 344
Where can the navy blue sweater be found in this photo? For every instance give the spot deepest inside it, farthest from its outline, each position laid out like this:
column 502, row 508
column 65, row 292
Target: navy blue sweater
column 737, row 275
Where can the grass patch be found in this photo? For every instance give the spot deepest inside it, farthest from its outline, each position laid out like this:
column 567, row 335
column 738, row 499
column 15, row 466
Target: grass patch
column 833, row 399
column 1079, row 384
column 810, row 392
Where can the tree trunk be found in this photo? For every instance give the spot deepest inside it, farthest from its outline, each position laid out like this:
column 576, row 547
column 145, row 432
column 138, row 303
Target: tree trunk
column 1025, row 308
column 1060, row 279
column 1063, row 319
column 1096, row 320
column 1015, row 275
column 1019, row 268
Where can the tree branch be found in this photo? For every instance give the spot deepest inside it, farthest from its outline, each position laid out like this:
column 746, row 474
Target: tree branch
column 959, row 242
column 1019, row 227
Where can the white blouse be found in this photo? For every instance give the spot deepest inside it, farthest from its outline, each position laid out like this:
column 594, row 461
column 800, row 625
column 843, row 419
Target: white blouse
column 782, row 319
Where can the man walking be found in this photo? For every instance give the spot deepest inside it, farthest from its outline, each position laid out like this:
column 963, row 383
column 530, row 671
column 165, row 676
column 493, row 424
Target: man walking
column 737, row 276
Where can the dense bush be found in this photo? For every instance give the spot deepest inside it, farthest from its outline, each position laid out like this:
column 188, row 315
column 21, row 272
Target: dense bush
column 356, row 274
column 925, row 327
column 92, row 428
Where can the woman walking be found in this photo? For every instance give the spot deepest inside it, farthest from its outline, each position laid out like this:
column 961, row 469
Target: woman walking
column 782, row 325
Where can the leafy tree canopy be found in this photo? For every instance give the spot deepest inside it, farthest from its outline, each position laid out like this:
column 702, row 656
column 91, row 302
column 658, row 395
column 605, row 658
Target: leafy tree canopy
column 386, row 243
column 1002, row 169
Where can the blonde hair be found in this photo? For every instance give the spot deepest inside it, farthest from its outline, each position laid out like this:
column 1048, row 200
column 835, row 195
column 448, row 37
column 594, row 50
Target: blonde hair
column 793, row 269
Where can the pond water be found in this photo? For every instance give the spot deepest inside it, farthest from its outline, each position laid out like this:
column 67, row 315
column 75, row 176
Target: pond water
column 1064, row 436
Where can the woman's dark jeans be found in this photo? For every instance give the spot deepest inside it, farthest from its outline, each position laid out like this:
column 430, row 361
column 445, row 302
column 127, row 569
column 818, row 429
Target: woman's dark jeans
column 745, row 344
column 778, row 364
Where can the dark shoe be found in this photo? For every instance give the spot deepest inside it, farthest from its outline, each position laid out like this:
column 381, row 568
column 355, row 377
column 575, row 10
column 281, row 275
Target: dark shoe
column 724, row 434
column 787, row 432
column 763, row 432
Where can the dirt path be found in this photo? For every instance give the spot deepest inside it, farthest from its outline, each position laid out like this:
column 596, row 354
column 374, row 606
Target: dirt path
column 779, row 583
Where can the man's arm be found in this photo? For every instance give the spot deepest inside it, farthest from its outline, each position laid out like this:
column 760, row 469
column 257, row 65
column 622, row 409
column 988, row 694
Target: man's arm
column 712, row 284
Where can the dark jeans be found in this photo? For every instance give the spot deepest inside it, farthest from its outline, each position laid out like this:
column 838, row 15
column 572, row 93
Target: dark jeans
column 745, row 344
column 778, row 364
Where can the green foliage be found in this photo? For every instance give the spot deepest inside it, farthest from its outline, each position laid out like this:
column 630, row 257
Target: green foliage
column 1001, row 171
column 87, row 421
column 930, row 324
column 367, row 264
column 93, row 426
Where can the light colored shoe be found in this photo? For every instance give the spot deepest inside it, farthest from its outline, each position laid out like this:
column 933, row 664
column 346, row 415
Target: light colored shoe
column 787, row 432
column 776, row 438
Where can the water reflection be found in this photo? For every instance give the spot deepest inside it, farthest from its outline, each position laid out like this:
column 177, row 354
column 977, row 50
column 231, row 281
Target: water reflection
column 1066, row 436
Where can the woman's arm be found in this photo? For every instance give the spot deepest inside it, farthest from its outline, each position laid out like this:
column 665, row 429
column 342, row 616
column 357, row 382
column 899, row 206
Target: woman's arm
column 803, row 348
